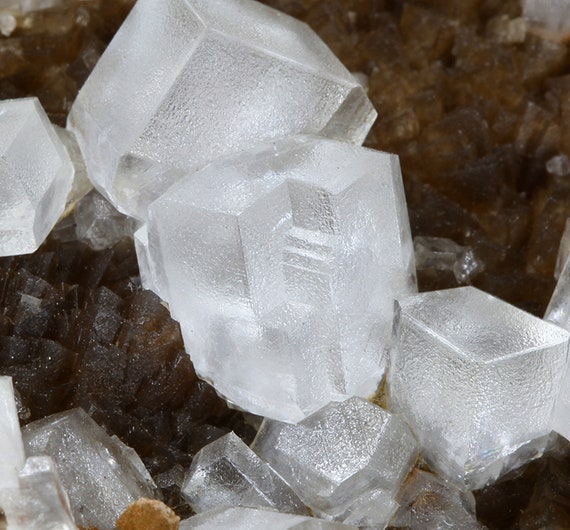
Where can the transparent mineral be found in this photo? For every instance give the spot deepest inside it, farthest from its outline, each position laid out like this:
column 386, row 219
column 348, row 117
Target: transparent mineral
column 477, row 379
column 281, row 265
column 11, row 448
column 99, row 224
column 101, row 475
column 186, row 81
column 341, row 458
column 548, row 18
column 255, row 519
column 35, row 176
column 228, row 473
column 563, row 250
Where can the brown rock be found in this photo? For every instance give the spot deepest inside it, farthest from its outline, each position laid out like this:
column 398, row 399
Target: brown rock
column 148, row 514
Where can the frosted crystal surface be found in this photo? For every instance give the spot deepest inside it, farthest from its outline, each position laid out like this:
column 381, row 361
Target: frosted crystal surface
column 40, row 502
column 186, row 81
column 563, row 250
column 11, row 446
column 339, row 455
column 101, row 475
column 35, row 176
column 456, row 355
column 255, row 519
column 281, row 265
column 228, row 473
column 147, row 264
column 549, row 18
column 428, row 502
column 99, row 224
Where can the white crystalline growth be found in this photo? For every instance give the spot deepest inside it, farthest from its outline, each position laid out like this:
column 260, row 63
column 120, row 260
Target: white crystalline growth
column 548, row 18
column 11, row 447
column 346, row 460
column 101, row 475
column 255, row 519
column 35, row 176
column 281, row 265
column 186, row 81
column 476, row 379
column 228, row 473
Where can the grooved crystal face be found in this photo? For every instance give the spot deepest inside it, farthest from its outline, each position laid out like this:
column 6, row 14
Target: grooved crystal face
column 281, row 265
column 341, row 457
column 477, row 380
column 35, row 176
column 187, row 81
column 228, row 473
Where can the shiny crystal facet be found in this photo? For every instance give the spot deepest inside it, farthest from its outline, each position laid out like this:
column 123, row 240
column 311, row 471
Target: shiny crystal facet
column 35, row 176
column 477, row 379
column 281, row 265
column 187, row 81
column 11, row 447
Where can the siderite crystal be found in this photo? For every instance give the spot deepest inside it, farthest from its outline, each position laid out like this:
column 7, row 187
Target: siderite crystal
column 35, row 176
column 186, row 81
column 476, row 379
column 281, row 265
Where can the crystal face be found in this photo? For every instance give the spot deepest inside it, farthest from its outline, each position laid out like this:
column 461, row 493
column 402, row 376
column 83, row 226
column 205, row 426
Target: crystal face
column 101, row 475
column 35, row 176
column 281, row 264
column 477, row 379
column 338, row 458
column 207, row 79
column 228, row 473
column 11, row 447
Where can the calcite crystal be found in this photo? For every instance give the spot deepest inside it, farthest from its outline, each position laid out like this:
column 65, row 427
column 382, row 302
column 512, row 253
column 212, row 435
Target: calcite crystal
column 35, row 176
column 208, row 78
column 346, row 460
column 11, row 447
column 228, row 473
column 281, row 265
column 455, row 356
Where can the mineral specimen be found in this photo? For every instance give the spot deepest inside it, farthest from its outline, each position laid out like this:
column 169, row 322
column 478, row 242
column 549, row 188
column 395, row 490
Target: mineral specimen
column 281, row 265
column 207, row 79
column 35, row 176
column 228, row 473
column 11, row 448
column 550, row 19
column 340, row 459
column 101, row 475
column 455, row 356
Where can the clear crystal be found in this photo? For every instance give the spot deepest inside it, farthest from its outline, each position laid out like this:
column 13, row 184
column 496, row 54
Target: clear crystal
column 35, row 176
column 11, row 447
column 186, row 81
column 477, row 379
column 101, row 475
column 228, row 473
column 339, row 456
column 274, row 265
column 563, row 250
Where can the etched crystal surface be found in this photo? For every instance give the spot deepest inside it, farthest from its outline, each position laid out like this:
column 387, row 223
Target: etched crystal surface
column 11, row 446
column 477, row 379
column 256, row 519
column 337, row 458
column 35, row 176
column 281, row 265
column 228, row 473
column 186, row 81
column 101, row 475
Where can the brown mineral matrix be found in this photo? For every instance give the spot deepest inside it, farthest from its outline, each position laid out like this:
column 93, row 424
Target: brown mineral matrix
column 148, row 514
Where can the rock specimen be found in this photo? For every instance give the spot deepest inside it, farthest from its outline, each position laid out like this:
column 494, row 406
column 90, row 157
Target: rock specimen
column 281, row 265
column 346, row 460
column 11, row 447
column 101, row 475
column 256, row 519
column 35, row 176
column 456, row 355
column 228, row 473
column 207, row 79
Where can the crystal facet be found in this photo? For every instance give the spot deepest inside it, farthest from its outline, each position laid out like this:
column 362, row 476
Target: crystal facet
column 35, row 176
column 477, row 380
column 281, row 265
column 11, row 446
column 187, row 81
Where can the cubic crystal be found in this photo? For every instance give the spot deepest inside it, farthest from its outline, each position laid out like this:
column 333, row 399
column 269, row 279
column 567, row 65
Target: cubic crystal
column 35, row 176
column 186, row 81
column 477, row 379
column 281, row 264
column 256, row 519
column 341, row 458
column 228, row 473
column 11, row 447
column 101, row 475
